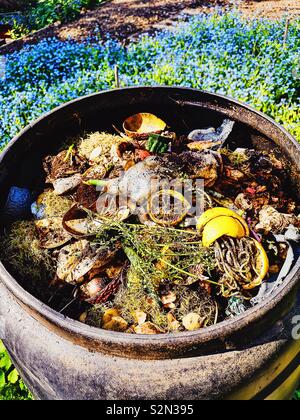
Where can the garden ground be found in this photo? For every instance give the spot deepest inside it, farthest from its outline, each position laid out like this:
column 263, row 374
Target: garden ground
column 123, row 19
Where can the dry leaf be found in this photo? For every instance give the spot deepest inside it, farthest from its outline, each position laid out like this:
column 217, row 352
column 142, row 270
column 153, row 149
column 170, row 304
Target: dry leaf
column 148, row 328
column 116, row 323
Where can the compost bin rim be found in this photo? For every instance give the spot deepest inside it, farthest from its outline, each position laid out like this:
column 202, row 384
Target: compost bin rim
column 132, row 88
column 222, row 329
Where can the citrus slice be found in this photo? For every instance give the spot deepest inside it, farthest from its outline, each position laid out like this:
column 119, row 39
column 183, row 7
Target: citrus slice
column 262, row 266
column 215, row 212
column 222, row 226
column 168, row 207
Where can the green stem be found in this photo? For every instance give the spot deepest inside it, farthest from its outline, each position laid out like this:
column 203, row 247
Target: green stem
column 186, row 272
column 97, row 182
column 69, row 153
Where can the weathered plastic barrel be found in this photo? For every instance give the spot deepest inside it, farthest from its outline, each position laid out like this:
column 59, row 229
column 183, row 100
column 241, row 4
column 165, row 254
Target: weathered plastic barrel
column 253, row 356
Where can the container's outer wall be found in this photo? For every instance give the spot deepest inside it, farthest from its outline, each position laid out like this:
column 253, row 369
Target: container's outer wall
column 54, row 368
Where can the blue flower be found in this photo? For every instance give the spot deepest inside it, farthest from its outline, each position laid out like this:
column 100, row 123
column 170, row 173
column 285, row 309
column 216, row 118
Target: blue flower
column 221, row 53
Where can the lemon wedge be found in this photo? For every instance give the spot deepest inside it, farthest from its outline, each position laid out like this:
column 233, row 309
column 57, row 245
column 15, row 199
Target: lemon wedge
column 262, row 267
column 217, row 212
column 222, row 226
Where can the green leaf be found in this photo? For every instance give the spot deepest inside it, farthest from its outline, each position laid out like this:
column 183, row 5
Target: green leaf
column 2, row 379
column 13, row 377
column 5, row 362
column 2, row 348
column 297, row 395
column 22, row 386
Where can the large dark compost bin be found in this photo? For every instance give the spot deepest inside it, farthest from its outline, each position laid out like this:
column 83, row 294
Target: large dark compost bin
column 252, row 356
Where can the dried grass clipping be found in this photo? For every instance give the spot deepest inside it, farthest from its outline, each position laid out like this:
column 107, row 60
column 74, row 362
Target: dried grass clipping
column 55, row 206
column 21, row 250
column 100, row 142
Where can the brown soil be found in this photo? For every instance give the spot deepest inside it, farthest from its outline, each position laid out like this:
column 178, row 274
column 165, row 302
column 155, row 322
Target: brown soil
column 123, row 19
column 274, row 9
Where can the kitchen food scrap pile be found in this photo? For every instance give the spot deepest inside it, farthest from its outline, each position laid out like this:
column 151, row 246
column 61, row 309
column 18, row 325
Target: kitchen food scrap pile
column 213, row 236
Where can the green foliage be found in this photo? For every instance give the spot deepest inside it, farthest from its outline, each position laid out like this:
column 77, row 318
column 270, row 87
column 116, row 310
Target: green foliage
column 45, row 12
column 11, row 386
column 224, row 54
